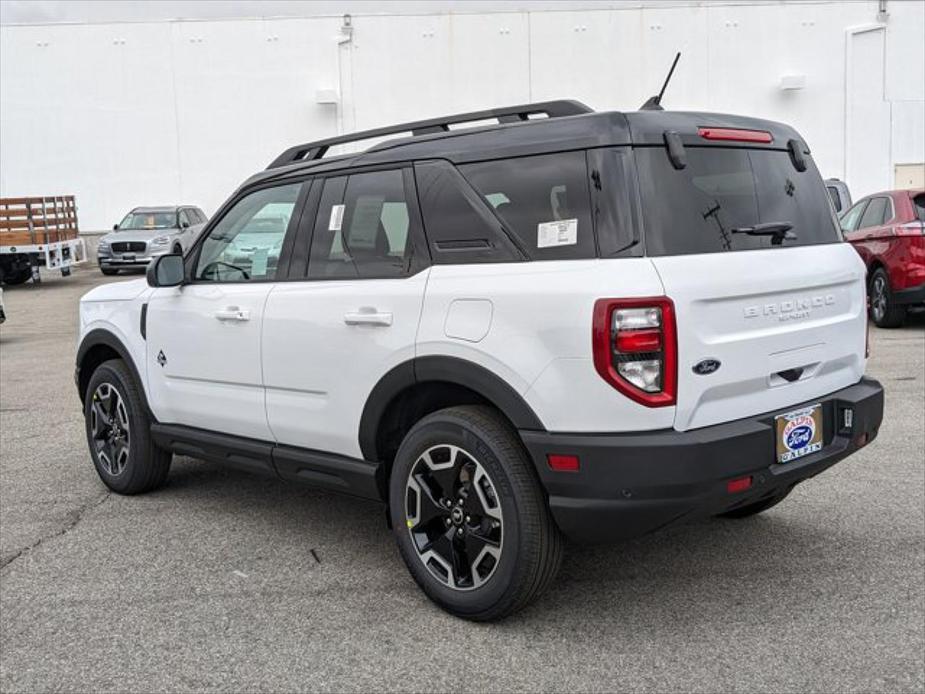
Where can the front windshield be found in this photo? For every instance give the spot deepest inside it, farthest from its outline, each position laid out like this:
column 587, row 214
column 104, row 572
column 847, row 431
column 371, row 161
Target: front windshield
column 148, row 220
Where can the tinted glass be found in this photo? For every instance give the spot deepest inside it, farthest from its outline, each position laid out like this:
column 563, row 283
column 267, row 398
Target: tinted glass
column 246, row 243
column 875, row 214
column 919, row 203
column 459, row 226
column 697, row 209
column 368, row 234
column 836, row 199
column 849, row 220
column 544, row 200
column 183, row 217
column 612, row 189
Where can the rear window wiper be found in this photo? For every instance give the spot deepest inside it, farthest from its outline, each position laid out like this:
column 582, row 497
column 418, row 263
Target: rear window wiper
column 778, row 231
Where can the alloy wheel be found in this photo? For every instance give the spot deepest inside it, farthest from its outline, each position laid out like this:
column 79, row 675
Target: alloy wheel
column 109, row 428
column 454, row 517
column 878, row 299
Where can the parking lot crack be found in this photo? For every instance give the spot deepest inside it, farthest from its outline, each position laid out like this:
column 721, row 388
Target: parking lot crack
column 72, row 519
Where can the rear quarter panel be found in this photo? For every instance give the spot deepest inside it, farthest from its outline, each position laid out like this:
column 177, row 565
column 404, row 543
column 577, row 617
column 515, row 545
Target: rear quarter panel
column 530, row 324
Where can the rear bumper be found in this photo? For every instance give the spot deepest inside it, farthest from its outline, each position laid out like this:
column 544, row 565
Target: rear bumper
column 912, row 295
column 632, row 484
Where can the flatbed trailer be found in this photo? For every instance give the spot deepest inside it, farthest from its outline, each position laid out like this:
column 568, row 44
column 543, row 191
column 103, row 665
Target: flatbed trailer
column 37, row 232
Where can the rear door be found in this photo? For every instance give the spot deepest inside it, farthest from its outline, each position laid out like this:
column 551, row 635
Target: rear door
column 785, row 318
column 351, row 311
column 870, row 236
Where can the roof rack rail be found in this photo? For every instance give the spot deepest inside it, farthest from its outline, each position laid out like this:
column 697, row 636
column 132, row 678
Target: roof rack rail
column 512, row 114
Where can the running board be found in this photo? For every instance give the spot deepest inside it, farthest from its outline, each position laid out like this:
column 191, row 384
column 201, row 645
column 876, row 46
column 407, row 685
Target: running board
column 328, row 471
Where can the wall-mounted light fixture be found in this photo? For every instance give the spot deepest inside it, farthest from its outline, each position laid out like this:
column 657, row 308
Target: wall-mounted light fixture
column 792, row 82
column 326, row 96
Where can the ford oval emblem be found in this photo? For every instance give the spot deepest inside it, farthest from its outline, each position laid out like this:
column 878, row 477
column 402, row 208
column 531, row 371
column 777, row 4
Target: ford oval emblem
column 705, row 367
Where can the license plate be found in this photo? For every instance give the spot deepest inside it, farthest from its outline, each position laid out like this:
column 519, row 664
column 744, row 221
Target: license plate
column 128, row 257
column 799, row 433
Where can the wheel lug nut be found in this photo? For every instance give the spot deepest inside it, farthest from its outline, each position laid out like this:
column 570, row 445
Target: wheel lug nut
column 459, row 532
column 468, row 519
column 448, row 521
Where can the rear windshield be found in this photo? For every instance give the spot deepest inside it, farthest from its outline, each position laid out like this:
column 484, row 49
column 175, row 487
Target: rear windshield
column 699, row 208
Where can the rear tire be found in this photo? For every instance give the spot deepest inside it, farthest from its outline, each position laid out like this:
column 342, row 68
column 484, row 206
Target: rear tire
column 471, row 458
column 119, row 432
column 883, row 311
column 757, row 507
column 17, row 276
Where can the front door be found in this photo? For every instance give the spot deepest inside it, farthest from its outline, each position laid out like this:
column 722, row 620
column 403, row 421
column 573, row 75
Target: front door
column 203, row 337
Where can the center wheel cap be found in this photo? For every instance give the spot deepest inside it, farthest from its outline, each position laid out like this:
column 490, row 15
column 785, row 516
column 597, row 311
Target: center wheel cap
column 456, row 515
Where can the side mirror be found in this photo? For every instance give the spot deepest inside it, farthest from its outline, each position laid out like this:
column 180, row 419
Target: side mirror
column 166, row 271
column 184, row 225
column 115, row 227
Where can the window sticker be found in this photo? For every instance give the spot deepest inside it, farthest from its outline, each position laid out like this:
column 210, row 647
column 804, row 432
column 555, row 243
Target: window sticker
column 259, row 262
column 337, row 217
column 561, row 233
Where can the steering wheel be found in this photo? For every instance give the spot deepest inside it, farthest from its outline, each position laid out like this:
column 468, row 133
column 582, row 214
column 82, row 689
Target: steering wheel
column 211, row 268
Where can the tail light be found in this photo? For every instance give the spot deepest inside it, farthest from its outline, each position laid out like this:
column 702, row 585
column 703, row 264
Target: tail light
column 635, row 348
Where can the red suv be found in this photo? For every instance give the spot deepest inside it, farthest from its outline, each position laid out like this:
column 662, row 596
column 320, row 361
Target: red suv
column 888, row 230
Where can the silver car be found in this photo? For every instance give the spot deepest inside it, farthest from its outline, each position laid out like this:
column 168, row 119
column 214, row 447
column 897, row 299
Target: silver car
column 147, row 232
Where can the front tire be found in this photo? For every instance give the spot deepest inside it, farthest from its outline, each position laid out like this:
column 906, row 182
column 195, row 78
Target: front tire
column 16, row 277
column 469, row 515
column 119, row 432
column 883, row 311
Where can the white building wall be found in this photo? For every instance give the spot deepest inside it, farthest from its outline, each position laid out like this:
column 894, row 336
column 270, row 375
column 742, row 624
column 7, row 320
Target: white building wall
column 124, row 114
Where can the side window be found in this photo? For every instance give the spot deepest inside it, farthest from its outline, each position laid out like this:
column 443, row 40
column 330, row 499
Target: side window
column 183, row 218
column 850, row 219
column 875, row 213
column 613, row 189
column 544, row 200
column 366, row 232
column 459, row 226
column 246, row 243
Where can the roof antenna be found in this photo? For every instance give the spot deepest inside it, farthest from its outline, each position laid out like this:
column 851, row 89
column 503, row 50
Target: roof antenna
column 654, row 103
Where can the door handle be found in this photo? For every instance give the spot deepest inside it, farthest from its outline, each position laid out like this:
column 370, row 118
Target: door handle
column 367, row 315
column 233, row 313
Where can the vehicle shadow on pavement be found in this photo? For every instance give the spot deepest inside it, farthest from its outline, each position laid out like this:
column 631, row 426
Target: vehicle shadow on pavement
column 679, row 571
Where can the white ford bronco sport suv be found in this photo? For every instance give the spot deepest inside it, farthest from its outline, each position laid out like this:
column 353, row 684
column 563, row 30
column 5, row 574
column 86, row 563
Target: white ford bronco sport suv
column 564, row 324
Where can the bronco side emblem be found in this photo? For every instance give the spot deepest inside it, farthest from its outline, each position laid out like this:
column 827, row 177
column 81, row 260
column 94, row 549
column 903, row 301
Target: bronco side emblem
column 161, row 358
column 705, row 367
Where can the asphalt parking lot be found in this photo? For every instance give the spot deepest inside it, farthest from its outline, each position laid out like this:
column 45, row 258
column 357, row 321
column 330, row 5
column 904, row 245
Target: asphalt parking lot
column 224, row 581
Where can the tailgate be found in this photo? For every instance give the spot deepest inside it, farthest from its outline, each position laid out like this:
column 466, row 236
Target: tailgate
column 787, row 325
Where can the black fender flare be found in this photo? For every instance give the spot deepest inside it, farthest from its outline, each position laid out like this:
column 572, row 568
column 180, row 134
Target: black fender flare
column 95, row 338
column 448, row 370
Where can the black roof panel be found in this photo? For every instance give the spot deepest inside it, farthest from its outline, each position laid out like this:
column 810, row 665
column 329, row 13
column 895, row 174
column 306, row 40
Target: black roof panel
column 573, row 129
